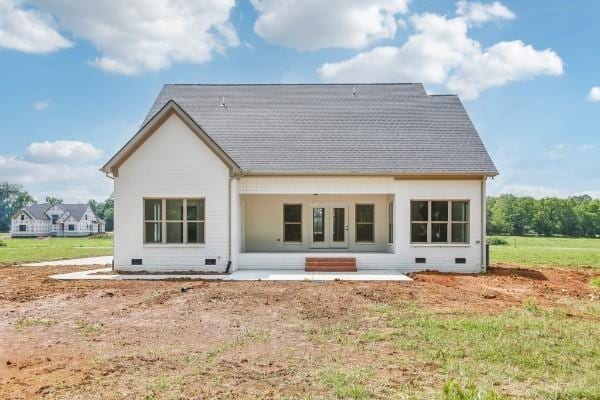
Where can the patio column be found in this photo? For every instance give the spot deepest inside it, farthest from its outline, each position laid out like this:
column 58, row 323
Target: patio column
column 235, row 222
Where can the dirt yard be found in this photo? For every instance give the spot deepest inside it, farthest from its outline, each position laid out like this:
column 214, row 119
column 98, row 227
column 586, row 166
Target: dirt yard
column 223, row 340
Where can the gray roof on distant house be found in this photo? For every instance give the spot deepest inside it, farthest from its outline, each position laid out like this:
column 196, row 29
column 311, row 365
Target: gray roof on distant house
column 38, row 211
column 334, row 128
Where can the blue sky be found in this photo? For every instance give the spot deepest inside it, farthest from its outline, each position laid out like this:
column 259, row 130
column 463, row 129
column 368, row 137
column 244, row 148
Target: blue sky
column 77, row 78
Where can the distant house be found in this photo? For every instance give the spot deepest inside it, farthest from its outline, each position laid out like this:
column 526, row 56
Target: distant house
column 56, row 220
column 315, row 177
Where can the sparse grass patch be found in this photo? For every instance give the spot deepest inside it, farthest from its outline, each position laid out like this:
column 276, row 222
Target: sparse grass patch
column 29, row 322
column 347, row 384
column 595, row 282
column 530, row 304
column 86, row 327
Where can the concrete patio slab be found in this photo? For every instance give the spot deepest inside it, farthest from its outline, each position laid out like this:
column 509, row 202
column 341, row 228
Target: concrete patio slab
column 103, row 260
column 254, row 275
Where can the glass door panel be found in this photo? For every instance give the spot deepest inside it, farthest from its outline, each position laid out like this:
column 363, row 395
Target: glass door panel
column 319, row 237
column 339, row 236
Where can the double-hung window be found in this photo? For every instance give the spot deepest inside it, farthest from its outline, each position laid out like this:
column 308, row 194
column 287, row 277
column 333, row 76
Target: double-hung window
column 437, row 221
column 174, row 221
column 292, row 223
column 365, row 223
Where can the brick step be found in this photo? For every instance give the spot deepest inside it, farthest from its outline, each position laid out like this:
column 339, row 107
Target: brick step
column 332, row 259
column 329, row 269
column 330, row 264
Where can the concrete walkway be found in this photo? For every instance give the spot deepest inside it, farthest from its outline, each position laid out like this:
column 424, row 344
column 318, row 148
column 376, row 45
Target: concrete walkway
column 104, row 260
column 254, row 275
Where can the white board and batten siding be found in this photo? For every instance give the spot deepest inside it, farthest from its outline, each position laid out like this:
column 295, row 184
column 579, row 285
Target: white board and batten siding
column 174, row 163
column 171, row 163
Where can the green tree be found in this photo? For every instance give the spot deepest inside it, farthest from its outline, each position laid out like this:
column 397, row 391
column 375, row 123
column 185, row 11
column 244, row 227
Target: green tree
column 104, row 210
column 12, row 198
column 53, row 200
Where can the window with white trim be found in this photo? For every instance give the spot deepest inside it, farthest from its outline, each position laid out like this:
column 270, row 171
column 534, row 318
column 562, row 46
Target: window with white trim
column 174, row 221
column 439, row 221
column 292, row 223
column 365, row 223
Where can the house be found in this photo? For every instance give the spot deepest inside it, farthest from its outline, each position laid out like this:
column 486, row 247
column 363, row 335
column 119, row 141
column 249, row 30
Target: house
column 322, row 177
column 56, row 220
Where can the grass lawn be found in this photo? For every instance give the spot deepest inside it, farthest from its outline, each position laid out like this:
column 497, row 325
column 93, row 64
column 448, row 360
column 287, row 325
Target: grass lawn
column 542, row 251
column 21, row 250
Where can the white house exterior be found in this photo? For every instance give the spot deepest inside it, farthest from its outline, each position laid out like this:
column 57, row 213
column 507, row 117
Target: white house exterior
column 56, row 220
column 226, row 177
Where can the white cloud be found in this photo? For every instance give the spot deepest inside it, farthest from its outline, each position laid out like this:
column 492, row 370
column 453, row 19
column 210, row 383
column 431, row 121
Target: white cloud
column 141, row 35
column 479, row 13
column 564, row 151
column 28, row 30
column 72, row 183
column 40, row 105
column 317, row 24
column 594, row 94
column 440, row 51
column 66, row 151
column 502, row 63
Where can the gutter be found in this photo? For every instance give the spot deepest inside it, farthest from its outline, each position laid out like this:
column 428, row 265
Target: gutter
column 483, row 224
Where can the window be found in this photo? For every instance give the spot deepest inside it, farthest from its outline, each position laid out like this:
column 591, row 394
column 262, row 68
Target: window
column 435, row 221
column 365, row 223
column 71, row 227
column 152, row 221
column 54, row 219
column 22, row 228
column 460, row 221
column 22, row 217
column 292, row 223
column 86, row 217
column 391, row 222
column 174, row 221
column 195, row 220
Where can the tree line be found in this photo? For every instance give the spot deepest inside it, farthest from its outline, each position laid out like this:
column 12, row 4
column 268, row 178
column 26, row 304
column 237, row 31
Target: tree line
column 14, row 197
column 575, row 216
column 506, row 214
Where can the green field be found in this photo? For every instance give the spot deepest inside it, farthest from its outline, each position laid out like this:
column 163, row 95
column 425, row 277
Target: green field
column 23, row 250
column 525, row 251
column 543, row 251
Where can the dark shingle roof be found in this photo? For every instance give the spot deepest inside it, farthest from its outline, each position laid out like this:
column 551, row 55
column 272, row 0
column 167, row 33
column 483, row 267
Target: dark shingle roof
column 338, row 128
column 38, row 211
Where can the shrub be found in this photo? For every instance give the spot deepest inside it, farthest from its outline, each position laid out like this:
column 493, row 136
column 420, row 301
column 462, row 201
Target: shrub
column 497, row 241
column 101, row 236
column 2, row 244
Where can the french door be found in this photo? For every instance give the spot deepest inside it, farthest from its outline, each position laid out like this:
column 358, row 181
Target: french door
column 329, row 226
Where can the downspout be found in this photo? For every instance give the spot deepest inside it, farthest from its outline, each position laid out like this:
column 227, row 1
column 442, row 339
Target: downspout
column 483, row 224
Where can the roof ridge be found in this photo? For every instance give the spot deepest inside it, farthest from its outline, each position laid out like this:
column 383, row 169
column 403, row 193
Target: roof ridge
column 296, row 84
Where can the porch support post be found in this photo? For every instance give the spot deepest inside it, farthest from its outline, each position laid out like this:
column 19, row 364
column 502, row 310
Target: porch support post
column 235, row 223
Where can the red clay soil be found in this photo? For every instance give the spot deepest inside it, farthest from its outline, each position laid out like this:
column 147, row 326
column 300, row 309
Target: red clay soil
column 210, row 339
